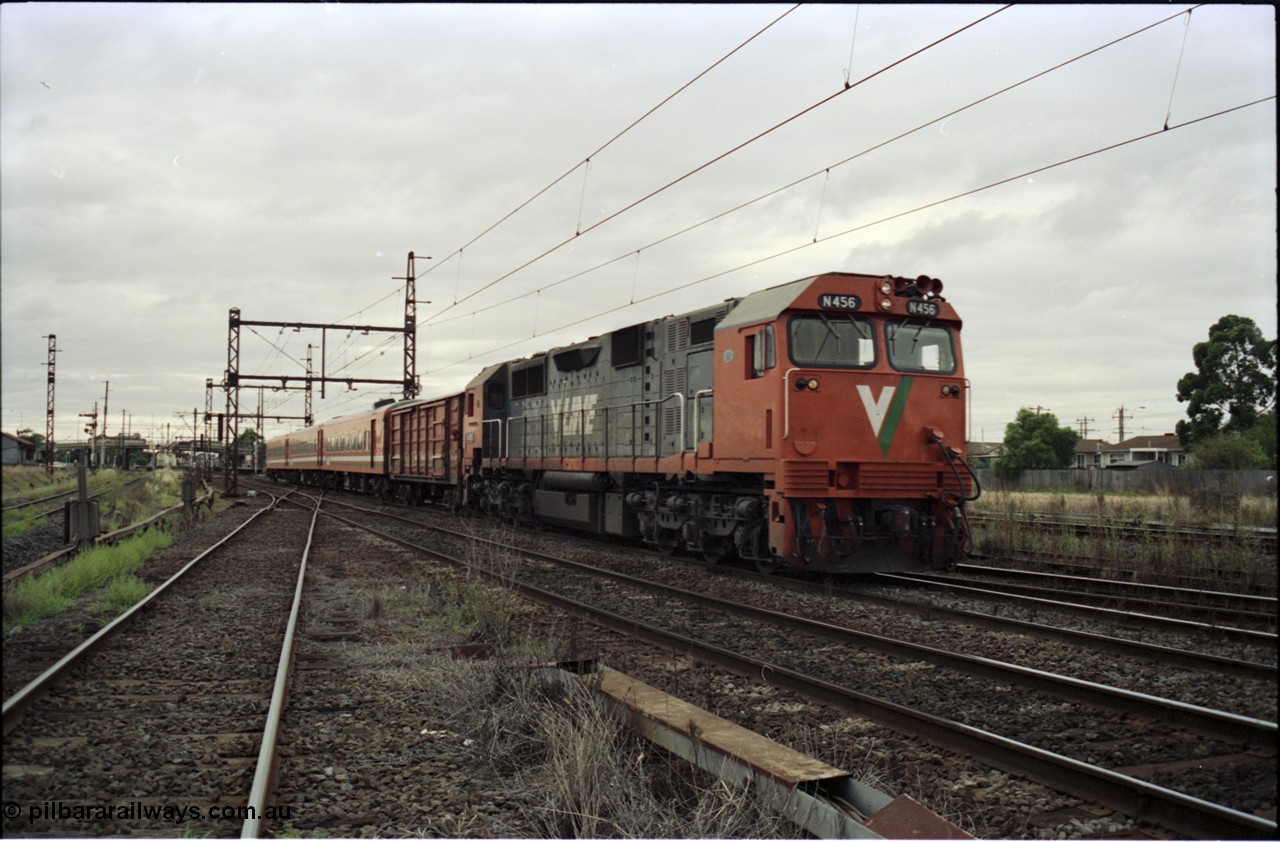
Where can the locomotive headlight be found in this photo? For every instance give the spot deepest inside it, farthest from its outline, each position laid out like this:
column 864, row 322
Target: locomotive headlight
column 813, row 384
column 886, row 287
column 801, row 384
column 885, row 303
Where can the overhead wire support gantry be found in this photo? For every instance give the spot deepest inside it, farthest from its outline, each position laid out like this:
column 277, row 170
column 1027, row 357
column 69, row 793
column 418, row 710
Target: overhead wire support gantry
column 234, row 379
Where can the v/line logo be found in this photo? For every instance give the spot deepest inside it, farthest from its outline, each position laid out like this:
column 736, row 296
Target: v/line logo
column 884, row 412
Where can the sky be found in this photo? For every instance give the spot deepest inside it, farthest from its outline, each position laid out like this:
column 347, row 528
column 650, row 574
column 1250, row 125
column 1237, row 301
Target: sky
column 161, row 164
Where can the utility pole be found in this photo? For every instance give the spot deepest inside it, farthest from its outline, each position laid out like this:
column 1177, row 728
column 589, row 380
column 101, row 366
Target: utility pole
column 106, row 416
column 48, row 413
column 1120, row 415
column 1084, row 427
column 91, row 428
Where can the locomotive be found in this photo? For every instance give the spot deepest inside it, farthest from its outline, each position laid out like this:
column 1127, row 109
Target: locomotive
column 816, row 425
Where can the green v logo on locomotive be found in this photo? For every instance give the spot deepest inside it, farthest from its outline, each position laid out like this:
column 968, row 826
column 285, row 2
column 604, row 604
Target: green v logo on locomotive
column 885, row 412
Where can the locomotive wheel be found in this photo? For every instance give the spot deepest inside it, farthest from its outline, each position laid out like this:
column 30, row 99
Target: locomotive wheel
column 716, row 550
column 765, row 566
column 668, row 541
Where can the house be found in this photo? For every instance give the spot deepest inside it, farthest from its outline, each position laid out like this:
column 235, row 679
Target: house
column 1145, row 452
column 1089, row 453
column 17, row 450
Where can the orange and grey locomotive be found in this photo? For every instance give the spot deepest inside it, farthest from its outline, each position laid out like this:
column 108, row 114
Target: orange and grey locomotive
column 816, row 425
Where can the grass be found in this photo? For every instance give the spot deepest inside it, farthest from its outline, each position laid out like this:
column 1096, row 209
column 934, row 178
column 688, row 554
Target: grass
column 594, row 778
column 121, row 594
column 119, row 508
column 1107, row 542
column 1167, row 508
column 51, row 593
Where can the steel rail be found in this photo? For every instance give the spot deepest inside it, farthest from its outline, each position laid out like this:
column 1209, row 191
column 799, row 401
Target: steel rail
column 1142, row 800
column 1206, row 721
column 106, row 538
column 265, row 774
column 1073, row 564
column 1105, row 587
column 20, row 701
column 1168, row 655
column 1126, row 617
column 1163, row 654
column 1137, row 530
column 1221, row 612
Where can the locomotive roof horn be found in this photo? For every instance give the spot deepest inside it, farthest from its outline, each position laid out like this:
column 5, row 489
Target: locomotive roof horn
column 929, row 287
column 921, row 287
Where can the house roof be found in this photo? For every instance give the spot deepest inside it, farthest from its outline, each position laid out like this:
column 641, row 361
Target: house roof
column 1168, row 441
column 18, row 439
column 983, row 448
column 1092, row 445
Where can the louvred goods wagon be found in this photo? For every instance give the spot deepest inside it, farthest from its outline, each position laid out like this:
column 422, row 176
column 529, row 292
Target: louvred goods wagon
column 424, row 450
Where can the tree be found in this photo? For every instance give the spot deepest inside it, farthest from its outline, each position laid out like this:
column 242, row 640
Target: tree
column 1228, row 452
column 1034, row 440
column 1264, row 433
column 1234, row 381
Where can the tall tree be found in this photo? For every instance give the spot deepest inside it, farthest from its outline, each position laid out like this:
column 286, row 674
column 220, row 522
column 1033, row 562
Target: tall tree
column 1035, row 440
column 1234, row 381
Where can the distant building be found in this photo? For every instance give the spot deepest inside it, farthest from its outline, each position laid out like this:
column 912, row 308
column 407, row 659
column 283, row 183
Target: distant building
column 1145, row 452
column 17, row 451
column 1089, row 453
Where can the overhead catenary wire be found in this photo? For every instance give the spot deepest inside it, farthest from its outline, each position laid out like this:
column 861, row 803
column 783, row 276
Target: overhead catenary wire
column 1186, row 28
column 586, row 161
column 880, row 221
column 721, row 157
column 827, row 169
column 613, row 139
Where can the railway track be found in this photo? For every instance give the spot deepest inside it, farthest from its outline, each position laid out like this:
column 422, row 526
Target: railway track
column 1174, row 809
column 1138, row 531
column 1244, row 624
column 166, row 730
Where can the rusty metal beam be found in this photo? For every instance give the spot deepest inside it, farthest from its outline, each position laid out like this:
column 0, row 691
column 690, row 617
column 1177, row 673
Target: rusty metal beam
column 821, row 799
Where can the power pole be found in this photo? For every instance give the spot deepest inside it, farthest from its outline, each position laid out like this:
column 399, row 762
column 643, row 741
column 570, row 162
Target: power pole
column 411, row 303
column 1084, row 427
column 48, row 412
column 105, row 417
column 91, row 428
column 1120, row 415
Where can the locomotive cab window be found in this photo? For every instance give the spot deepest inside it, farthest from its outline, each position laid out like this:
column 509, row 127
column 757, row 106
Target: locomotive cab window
column 495, row 396
column 831, row 341
column 921, row 347
column 761, row 351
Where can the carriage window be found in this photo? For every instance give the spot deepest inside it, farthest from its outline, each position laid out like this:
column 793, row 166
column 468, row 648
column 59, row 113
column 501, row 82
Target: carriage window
column 835, row 341
column 921, row 347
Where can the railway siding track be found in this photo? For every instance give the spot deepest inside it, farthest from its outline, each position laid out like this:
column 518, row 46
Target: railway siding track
column 1187, row 813
column 1140, row 531
column 157, row 732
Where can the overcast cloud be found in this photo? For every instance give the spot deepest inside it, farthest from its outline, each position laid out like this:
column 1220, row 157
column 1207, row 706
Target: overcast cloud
column 162, row 164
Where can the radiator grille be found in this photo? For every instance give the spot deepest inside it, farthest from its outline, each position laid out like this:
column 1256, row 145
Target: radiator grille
column 805, row 478
column 899, row 478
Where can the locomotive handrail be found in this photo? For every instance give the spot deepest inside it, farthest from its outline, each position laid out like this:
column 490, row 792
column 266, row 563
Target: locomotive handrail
column 502, row 443
column 786, row 403
column 697, row 415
